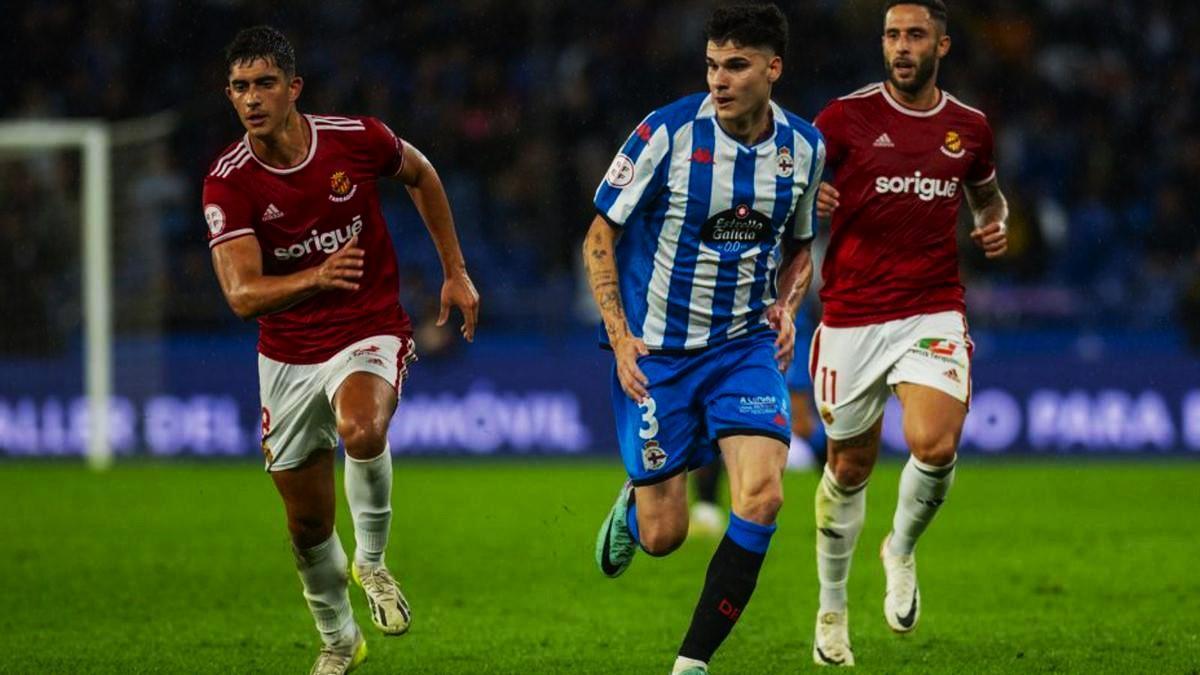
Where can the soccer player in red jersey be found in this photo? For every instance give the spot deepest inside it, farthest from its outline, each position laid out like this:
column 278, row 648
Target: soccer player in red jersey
column 299, row 243
column 903, row 153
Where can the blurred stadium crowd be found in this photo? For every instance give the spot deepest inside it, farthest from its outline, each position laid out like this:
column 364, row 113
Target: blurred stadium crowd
column 521, row 103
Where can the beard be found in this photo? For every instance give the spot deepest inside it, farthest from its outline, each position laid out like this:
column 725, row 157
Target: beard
column 924, row 72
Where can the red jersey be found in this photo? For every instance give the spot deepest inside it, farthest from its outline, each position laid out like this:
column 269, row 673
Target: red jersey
column 901, row 173
column 303, row 214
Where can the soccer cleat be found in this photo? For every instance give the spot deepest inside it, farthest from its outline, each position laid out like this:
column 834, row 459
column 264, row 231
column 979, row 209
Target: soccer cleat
column 389, row 609
column 902, row 600
column 338, row 659
column 706, row 519
column 831, row 646
column 614, row 544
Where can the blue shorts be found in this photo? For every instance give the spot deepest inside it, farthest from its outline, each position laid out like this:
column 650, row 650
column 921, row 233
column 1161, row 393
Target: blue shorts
column 733, row 389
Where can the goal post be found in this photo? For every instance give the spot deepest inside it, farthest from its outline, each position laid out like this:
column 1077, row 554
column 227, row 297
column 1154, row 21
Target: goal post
column 94, row 141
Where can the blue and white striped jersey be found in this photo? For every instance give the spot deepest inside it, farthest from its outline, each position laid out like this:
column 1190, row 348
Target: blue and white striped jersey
column 703, row 218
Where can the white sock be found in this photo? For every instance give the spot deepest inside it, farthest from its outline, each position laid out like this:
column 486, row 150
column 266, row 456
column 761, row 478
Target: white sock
column 840, row 512
column 323, row 573
column 682, row 663
column 369, row 493
column 923, row 488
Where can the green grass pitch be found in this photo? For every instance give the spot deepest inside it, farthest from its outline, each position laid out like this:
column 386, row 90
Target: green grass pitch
column 1031, row 567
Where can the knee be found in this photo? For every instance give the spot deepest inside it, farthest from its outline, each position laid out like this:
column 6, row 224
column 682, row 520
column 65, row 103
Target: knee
column 308, row 530
column 934, row 449
column 850, row 470
column 363, row 439
column 760, row 502
column 659, row 539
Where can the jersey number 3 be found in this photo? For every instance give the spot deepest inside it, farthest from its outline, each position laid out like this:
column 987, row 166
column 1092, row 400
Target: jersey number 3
column 648, row 417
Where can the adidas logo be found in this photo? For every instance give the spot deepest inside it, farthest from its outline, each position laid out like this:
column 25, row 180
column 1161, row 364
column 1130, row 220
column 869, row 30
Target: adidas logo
column 271, row 213
column 884, row 141
column 952, row 375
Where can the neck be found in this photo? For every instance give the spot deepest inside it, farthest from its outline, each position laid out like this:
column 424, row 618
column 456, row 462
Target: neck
column 287, row 146
column 750, row 128
column 924, row 99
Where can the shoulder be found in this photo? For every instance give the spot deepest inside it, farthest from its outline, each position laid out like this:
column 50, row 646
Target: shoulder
column 232, row 158
column 861, row 96
column 677, row 114
column 338, row 123
column 802, row 127
column 954, row 105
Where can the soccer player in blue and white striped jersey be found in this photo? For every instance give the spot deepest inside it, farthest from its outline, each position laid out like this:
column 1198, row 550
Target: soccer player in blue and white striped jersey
column 698, row 259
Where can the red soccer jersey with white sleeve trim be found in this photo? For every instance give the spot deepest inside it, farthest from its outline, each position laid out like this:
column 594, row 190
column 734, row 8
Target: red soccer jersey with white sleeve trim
column 302, row 215
column 901, row 174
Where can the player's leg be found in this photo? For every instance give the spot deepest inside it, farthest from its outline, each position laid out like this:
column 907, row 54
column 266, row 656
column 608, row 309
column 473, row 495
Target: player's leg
column 932, row 381
column 848, row 370
column 706, row 516
column 308, row 498
column 364, row 399
column 296, row 418
column 755, row 464
column 659, row 443
column 747, row 415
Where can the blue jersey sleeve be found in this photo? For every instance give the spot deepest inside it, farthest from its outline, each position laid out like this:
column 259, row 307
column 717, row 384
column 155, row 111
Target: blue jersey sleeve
column 805, row 226
column 636, row 174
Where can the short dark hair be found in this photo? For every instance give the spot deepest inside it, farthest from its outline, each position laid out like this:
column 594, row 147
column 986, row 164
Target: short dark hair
column 261, row 42
column 937, row 9
column 749, row 25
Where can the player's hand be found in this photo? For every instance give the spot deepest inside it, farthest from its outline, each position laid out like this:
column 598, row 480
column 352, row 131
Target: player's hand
column 992, row 238
column 827, row 200
column 458, row 291
column 343, row 269
column 781, row 320
column 633, row 380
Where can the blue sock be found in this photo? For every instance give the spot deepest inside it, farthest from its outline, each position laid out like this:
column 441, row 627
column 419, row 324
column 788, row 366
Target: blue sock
column 631, row 524
column 750, row 536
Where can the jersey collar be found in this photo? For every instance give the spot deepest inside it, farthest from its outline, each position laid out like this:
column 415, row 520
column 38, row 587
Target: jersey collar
column 887, row 96
column 312, row 152
column 708, row 109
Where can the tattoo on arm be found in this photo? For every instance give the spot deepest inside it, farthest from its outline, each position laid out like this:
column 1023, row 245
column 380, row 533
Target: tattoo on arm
column 602, row 277
column 987, row 202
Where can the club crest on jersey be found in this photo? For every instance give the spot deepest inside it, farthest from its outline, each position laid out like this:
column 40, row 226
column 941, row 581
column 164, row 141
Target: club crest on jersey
column 340, row 187
column 620, row 172
column 953, row 146
column 784, row 165
column 215, row 218
column 653, row 456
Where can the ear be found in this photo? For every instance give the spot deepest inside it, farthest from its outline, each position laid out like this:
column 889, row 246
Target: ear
column 774, row 69
column 943, row 47
column 295, row 87
column 229, row 93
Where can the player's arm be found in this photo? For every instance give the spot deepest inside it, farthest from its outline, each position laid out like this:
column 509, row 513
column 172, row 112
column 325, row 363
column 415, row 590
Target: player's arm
column 429, row 196
column 251, row 294
column 599, row 258
column 795, row 276
column 990, row 211
column 796, row 270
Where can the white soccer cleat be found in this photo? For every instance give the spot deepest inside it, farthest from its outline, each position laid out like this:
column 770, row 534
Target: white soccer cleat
column 831, row 646
column 706, row 519
column 902, row 600
column 340, row 659
column 389, row 609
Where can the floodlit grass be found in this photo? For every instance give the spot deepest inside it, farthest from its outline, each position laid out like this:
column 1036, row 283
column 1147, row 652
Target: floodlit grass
column 1036, row 567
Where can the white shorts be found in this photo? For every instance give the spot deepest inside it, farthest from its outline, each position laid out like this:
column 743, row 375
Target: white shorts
column 297, row 400
column 854, row 369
